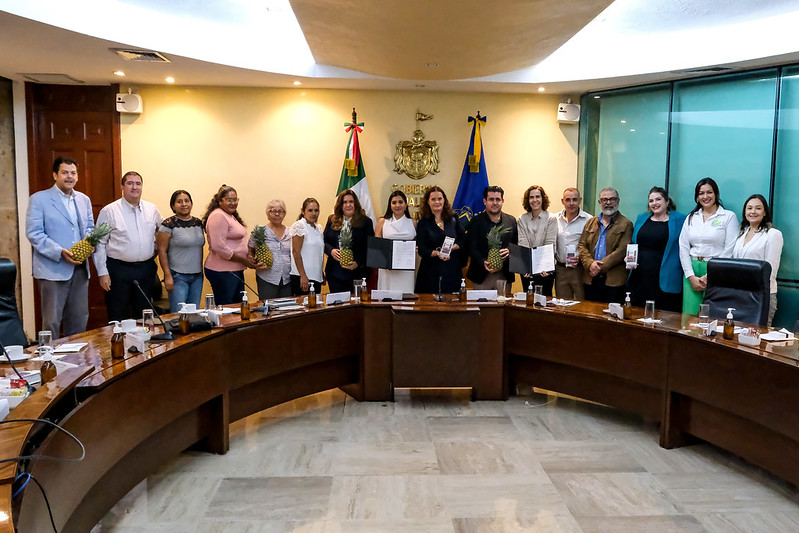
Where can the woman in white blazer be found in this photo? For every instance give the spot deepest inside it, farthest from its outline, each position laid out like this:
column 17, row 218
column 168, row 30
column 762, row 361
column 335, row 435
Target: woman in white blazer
column 759, row 239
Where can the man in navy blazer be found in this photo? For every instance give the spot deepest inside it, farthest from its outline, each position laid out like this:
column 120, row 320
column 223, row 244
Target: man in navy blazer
column 57, row 218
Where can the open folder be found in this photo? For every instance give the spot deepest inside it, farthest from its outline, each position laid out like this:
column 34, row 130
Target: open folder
column 525, row 260
column 391, row 254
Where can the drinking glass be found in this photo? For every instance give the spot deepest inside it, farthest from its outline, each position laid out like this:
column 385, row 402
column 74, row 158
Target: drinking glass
column 210, row 302
column 148, row 319
column 356, row 289
column 501, row 287
column 538, row 289
column 649, row 309
column 704, row 312
column 45, row 343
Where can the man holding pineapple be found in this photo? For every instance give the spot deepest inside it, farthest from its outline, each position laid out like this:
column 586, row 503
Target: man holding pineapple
column 58, row 219
column 488, row 236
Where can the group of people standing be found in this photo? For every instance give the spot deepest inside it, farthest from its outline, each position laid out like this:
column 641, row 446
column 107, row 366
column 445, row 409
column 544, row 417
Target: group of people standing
column 673, row 249
column 589, row 251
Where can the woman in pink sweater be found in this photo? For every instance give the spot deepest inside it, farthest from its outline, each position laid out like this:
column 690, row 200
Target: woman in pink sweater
column 227, row 247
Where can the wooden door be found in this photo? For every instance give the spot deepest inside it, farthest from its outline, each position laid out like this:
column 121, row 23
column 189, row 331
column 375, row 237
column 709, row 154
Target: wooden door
column 79, row 122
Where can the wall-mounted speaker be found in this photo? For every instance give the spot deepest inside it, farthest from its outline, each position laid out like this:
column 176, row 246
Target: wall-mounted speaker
column 129, row 103
column 569, row 113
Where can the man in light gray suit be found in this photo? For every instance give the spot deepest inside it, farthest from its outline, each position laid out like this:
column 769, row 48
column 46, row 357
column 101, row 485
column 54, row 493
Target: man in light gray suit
column 57, row 218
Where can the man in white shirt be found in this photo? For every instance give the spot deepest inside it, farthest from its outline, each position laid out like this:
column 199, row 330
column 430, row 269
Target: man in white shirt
column 127, row 254
column 57, row 218
column 568, row 269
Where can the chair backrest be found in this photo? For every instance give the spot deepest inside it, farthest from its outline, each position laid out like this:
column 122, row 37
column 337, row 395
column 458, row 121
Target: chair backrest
column 11, row 331
column 740, row 283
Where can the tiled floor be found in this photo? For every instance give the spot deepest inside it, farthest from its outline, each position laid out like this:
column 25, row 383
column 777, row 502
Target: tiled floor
column 434, row 462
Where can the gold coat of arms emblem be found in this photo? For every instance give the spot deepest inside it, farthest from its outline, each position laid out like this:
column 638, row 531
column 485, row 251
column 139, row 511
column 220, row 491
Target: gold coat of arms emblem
column 417, row 158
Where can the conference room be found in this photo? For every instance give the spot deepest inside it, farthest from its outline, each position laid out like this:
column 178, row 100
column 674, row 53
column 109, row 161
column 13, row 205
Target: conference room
column 636, row 419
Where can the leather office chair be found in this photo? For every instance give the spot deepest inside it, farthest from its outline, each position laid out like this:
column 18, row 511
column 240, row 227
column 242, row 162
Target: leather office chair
column 11, row 331
column 740, row 283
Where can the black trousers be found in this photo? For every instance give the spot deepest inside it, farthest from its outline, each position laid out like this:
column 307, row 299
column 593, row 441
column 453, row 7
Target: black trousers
column 125, row 300
column 599, row 291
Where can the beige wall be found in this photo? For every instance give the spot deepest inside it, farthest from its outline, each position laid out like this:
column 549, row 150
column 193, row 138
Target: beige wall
column 289, row 143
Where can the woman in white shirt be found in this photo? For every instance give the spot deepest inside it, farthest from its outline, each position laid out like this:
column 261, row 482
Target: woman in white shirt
column 709, row 231
column 537, row 227
column 396, row 224
column 759, row 239
column 307, row 250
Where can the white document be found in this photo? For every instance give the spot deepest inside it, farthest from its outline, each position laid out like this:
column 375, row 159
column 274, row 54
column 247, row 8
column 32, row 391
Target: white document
column 482, row 295
column 543, row 259
column 379, row 296
column 631, row 259
column 337, row 298
column 781, row 335
column 403, row 255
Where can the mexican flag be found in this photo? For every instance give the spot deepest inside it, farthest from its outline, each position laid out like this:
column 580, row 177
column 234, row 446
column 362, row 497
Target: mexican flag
column 353, row 175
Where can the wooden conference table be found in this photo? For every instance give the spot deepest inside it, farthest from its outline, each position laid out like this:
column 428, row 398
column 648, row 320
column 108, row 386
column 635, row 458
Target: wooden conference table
column 134, row 414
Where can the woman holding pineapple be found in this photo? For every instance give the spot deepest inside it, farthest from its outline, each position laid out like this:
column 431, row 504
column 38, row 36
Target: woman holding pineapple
column 270, row 246
column 396, row 224
column 227, row 247
column 180, row 242
column 346, row 233
column 307, row 250
column 438, row 272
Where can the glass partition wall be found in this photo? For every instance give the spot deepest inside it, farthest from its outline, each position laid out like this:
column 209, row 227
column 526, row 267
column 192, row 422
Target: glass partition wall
column 738, row 129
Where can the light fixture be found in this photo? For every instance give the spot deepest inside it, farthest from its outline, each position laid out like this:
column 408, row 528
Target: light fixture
column 541, row 89
column 119, row 73
column 169, row 79
column 632, row 129
column 296, row 82
column 596, row 97
column 623, row 121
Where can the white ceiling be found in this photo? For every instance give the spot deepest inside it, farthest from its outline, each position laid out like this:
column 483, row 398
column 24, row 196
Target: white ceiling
column 470, row 45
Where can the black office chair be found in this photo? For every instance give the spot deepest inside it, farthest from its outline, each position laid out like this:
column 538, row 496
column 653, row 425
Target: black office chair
column 11, row 331
column 740, row 283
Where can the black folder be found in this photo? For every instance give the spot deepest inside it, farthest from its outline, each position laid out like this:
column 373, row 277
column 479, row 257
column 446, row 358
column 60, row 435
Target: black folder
column 380, row 253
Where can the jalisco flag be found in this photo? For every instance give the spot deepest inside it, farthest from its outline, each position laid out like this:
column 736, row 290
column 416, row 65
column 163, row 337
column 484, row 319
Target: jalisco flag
column 474, row 178
column 353, row 175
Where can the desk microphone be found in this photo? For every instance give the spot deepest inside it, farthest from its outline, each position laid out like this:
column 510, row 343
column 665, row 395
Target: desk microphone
column 241, row 279
column 166, row 335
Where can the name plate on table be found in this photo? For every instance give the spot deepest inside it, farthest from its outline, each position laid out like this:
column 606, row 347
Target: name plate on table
column 333, row 298
column 381, row 295
column 490, row 295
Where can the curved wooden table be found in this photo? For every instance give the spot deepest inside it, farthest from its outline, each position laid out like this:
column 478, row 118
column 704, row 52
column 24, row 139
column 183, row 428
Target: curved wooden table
column 132, row 415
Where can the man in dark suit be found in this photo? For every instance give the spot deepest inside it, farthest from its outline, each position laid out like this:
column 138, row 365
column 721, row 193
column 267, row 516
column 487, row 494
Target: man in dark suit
column 602, row 248
column 57, row 218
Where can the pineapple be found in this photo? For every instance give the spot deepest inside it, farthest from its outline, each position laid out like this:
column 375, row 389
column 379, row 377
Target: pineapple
column 345, row 245
column 82, row 249
column 262, row 252
column 494, row 238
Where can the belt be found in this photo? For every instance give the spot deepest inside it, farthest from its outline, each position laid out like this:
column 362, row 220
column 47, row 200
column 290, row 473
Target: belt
column 558, row 263
column 700, row 258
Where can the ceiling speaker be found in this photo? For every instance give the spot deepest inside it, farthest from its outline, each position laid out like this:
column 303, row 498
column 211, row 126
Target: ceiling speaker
column 569, row 113
column 129, row 103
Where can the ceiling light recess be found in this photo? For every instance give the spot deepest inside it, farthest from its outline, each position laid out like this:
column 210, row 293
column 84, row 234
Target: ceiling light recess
column 142, row 56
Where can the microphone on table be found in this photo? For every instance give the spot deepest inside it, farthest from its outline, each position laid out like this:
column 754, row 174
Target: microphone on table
column 265, row 307
column 167, row 334
column 438, row 297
